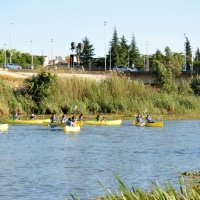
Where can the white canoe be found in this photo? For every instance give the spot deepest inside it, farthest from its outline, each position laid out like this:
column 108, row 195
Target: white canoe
column 3, row 127
column 72, row 129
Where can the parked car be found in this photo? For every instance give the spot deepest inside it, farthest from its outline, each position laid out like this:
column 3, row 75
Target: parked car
column 13, row 66
column 122, row 68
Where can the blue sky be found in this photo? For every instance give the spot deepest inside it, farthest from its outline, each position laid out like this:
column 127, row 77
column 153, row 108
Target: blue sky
column 155, row 24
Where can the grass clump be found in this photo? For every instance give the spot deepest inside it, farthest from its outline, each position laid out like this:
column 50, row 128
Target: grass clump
column 187, row 191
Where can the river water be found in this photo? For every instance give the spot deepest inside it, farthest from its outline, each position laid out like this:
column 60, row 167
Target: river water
column 43, row 163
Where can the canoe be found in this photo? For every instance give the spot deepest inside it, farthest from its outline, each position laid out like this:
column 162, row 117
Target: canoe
column 36, row 121
column 139, row 123
column 3, row 127
column 54, row 124
column 72, row 129
column 109, row 122
column 155, row 124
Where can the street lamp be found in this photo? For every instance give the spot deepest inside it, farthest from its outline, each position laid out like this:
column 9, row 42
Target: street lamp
column 51, row 53
column 185, row 62
column 105, row 44
column 128, row 57
column 10, row 42
column 5, row 56
column 147, row 59
column 32, row 66
column 110, row 58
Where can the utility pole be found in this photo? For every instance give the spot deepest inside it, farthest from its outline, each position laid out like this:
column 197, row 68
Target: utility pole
column 32, row 67
column 105, row 44
column 5, row 56
column 51, row 53
column 147, row 59
column 110, row 58
column 10, row 42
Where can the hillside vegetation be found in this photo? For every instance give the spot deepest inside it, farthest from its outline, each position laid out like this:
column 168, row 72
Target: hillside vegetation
column 47, row 93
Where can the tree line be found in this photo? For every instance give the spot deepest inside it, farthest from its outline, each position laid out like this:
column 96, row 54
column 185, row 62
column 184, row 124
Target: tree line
column 22, row 59
column 121, row 53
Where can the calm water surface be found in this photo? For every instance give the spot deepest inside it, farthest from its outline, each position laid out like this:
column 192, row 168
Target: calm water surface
column 42, row 163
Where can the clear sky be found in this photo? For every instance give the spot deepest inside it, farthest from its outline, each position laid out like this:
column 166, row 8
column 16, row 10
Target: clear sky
column 155, row 24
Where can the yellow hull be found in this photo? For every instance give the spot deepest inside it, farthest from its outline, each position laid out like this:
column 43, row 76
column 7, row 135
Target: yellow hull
column 110, row 123
column 36, row 121
column 3, row 127
column 139, row 123
column 155, row 124
column 45, row 123
column 72, row 129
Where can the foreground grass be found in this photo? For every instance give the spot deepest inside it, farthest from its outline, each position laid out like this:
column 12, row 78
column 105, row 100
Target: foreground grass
column 187, row 190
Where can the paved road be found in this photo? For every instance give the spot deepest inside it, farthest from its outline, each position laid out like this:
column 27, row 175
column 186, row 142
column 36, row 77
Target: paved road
column 21, row 74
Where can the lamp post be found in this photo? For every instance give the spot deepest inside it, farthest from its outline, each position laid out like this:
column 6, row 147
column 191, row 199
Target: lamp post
column 32, row 66
column 105, row 44
column 147, row 59
column 185, row 61
column 10, row 42
column 128, row 57
column 4, row 56
column 110, row 58
column 51, row 53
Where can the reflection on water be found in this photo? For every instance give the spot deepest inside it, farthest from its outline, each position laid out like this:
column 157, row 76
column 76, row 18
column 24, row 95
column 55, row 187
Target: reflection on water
column 39, row 162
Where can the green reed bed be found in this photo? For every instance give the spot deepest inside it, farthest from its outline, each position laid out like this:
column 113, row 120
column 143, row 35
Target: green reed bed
column 115, row 95
column 187, row 190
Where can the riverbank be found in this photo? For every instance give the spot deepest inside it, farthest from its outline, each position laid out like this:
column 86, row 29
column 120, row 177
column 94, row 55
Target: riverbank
column 114, row 117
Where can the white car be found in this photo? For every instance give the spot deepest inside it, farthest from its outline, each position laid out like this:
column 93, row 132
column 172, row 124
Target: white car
column 121, row 68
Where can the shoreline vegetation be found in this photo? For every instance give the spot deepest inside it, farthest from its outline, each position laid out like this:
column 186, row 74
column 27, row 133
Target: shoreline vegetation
column 189, row 188
column 117, row 97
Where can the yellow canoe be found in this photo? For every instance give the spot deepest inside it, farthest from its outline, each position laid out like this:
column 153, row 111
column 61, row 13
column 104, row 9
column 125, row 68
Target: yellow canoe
column 109, row 122
column 3, row 127
column 72, row 129
column 155, row 124
column 36, row 121
column 54, row 124
column 138, row 123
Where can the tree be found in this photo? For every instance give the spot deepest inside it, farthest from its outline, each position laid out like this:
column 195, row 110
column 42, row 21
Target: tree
column 188, row 52
column 88, row 52
column 123, row 51
column 164, row 77
column 134, row 54
column 41, row 89
column 115, row 49
column 172, row 63
column 197, row 55
column 196, row 64
column 195, row 85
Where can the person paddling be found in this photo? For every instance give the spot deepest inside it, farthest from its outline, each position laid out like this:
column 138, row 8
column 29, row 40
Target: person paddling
column 53, row 118
column 149, row 120
column 98, row 118
column 138, row 118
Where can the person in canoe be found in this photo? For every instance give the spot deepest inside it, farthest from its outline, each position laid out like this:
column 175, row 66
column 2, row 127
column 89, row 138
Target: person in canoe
column 138, row 118
column 15, row 115
column 74, row 119
column 69, row 122
column 53, row 118
column 149, row 119
column 80, row 118
column 98, row 118
column 63, row 119
column 32, row 116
